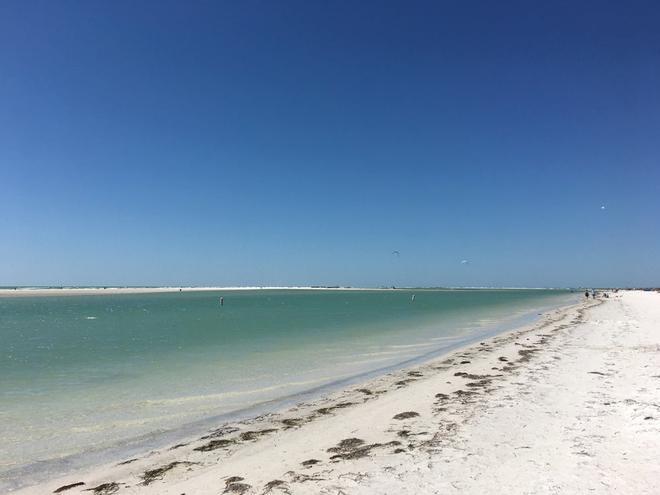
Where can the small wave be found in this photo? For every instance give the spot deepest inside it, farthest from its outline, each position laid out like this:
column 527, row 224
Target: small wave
column 225, row 395
column 451, row 338
column 129, row 423
column 91, row 317
column 409, row 346
column 378, row 353
column 356, row 362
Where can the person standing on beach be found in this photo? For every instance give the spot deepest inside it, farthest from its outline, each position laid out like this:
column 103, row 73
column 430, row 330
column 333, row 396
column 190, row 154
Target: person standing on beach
column 586, row 293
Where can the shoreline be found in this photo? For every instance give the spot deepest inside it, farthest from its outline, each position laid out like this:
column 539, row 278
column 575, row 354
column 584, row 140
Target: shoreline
column 330, row 399
column 183, row 433
column 103, row 291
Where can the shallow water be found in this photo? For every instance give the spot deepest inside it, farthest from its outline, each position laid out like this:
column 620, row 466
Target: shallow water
column 82, row 372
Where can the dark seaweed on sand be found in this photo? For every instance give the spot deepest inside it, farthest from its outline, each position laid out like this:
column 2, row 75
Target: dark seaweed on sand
column 68, row 487
column 233, row 479
column 276, row 484
column 406, row 415
column 355, row 448
column 329, row 409
column 239, row 488
column 215, row 444
column 220, row 432
column 292, row 422
column 363, row 451
column 157, row 474
column 253, row 435
column 104, row 489
column 347, row 444
column 406, row 381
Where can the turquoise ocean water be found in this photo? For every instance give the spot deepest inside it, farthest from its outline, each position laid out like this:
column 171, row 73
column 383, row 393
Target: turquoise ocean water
column 87, row 374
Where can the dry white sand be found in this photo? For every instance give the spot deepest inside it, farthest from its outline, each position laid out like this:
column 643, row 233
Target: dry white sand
column 101, row 291
column 571, row 405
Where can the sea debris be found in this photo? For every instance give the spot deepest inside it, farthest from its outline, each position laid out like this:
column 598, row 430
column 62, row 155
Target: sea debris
column 238, row 488
column 347, row 444
column 329, row 409
column 470, row 376
column 156, row 474
column 404, row 382
column 105, row 489
column 276, row 484
column 233, row 479
column 68, row 487
column 215, row 444
column 220, row 432
column 292, row 422
column 526, row 354
column 302, row 477
column 355, row 448
column 233, row 485
column 408, row 433
column 253, row 435
column 479, row 383
column 406, row 415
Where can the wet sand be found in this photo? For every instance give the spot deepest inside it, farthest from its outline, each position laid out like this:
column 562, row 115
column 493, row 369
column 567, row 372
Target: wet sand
column 570, row 404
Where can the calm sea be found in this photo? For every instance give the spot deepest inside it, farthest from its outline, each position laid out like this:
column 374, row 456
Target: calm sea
column 86, row 373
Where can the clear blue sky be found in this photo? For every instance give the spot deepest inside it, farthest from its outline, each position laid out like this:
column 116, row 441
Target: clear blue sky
column 301, row 142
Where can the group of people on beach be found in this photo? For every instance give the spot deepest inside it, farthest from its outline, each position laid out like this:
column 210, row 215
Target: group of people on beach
column 593, row 293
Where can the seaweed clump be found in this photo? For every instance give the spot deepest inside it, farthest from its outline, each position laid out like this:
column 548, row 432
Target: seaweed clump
column 68, row 487
column 354, row 448
column 253, row 435
column 215, row 444
column 156, row 474
column 236, row 486
column 329, row 409
column 105, row 489
column 406, row 415
column 276, row 484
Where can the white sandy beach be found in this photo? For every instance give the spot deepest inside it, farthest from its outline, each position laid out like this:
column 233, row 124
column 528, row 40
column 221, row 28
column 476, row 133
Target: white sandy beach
column 569, row 405
column 101, row 291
